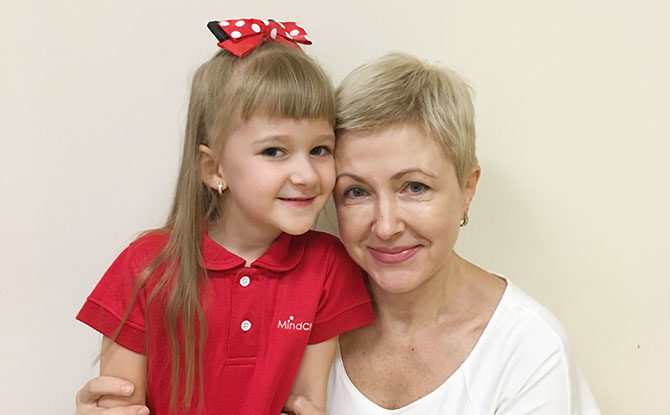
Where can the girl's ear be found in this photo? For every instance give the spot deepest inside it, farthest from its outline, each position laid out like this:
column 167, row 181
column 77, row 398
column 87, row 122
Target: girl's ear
column 210, row 171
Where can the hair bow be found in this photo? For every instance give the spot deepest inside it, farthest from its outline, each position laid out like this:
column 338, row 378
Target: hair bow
column 241, row 36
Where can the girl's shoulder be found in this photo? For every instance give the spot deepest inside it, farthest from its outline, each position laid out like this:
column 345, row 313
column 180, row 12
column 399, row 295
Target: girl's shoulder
column 328, row 251
column 155, row 239
column 151, row 238
column 321, row 240
column 319, row 237
column 147, row 246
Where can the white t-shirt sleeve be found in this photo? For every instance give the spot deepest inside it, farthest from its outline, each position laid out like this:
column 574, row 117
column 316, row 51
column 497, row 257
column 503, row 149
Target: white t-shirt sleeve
column 549, row 390
column 541, row 377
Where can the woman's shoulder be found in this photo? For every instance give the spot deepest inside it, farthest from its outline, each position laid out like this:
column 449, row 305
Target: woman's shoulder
column 529, row 319
column 526, row 348
column 521, row 337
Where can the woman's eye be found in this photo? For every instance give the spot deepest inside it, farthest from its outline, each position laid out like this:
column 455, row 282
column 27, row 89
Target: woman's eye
column 320, row 151
column 354, row 192
column 416, row 187
column 272, row 152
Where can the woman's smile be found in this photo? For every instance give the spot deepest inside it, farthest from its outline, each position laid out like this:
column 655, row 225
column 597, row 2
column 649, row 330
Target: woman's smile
column 399, row 205
column 393, row 255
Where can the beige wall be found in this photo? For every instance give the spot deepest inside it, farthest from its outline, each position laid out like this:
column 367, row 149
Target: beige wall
column 572, row 101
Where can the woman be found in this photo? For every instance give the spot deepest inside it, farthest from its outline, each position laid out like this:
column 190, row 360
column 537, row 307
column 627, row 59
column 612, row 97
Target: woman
column 449, row 337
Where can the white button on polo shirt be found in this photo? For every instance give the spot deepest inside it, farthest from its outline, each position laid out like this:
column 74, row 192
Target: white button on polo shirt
column 246, row 325
column 244, row 281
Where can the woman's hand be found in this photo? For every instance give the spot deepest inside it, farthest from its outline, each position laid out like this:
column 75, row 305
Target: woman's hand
column 299, row 405
column 94, row 389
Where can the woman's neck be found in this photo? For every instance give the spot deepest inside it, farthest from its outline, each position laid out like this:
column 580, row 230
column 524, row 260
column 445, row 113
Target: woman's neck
column 435, row 301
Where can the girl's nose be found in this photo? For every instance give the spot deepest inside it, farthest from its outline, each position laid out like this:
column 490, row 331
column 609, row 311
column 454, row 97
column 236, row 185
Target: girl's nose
column 304, row 173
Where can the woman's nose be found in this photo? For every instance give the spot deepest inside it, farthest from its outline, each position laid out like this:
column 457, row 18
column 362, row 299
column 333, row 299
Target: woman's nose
column 387, row 221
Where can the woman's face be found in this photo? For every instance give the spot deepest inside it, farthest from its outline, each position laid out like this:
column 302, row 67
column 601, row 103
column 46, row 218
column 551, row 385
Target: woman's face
column 399, row 205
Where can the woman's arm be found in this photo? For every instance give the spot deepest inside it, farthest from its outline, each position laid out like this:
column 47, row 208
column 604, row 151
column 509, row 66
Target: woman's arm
column 311, row 382
column 120, row 362
column 297, row 405
column 89, row 394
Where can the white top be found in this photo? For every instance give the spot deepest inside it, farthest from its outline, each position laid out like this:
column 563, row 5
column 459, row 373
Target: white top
column 522, row 364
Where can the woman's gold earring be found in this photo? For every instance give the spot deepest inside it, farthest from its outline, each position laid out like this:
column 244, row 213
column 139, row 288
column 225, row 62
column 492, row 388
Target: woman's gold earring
column 220, row 187
column 465, row 220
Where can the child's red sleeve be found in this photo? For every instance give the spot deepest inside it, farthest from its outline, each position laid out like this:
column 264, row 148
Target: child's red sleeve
column 107, row 304
column 345, row 303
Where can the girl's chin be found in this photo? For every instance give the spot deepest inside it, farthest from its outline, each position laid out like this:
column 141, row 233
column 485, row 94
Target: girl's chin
column 296, row 230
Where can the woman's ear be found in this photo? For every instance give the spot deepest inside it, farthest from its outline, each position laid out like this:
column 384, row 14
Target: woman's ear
column 470, row 187
column 210, row 171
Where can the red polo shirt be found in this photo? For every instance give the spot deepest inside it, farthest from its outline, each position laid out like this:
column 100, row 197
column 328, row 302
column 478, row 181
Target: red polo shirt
column 304, row 290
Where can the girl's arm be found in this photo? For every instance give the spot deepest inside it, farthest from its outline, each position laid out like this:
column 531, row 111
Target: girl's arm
column 311, row 382
column 120, row 362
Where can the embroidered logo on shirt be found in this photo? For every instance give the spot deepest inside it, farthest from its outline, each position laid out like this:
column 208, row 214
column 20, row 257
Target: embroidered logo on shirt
column 289, row 324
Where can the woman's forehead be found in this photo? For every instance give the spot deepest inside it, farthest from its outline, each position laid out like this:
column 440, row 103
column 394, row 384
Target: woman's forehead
column 387, row 150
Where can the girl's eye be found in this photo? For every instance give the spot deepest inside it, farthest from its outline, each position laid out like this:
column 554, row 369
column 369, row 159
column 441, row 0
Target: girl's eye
column 416, row 187
column 320, row 151
column 272, row 152
column 354, row 192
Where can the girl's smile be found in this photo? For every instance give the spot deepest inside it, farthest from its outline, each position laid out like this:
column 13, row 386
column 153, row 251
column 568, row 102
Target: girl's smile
column 298, row 202
column 277, row 175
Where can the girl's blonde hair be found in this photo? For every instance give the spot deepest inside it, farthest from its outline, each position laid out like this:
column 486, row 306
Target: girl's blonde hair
column 274, row 80
column 400, row 89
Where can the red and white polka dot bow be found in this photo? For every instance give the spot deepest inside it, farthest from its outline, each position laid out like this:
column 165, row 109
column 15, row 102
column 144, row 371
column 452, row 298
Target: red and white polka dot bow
column 241, row 36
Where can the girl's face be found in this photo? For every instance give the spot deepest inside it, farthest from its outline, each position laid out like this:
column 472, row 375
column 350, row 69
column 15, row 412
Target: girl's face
column 399, row 205
column 277, row 174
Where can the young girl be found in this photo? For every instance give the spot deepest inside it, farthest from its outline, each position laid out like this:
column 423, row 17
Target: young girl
column 234, row 303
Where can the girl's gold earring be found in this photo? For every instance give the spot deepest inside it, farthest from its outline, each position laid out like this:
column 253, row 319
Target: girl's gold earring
column 220, row 187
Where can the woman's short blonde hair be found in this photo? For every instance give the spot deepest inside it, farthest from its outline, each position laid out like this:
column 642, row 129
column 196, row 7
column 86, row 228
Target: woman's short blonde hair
column 401, row 89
